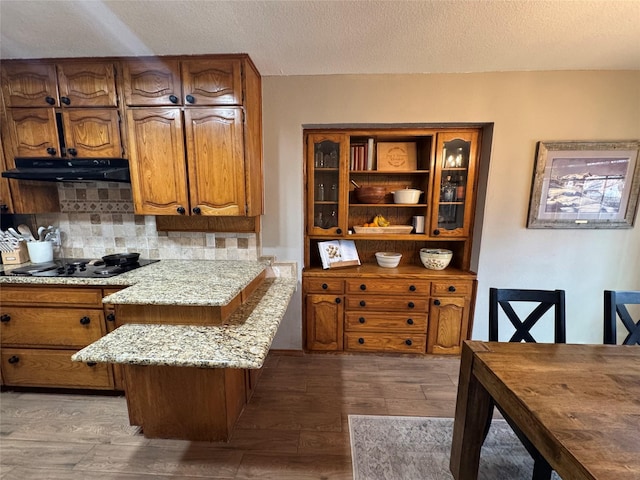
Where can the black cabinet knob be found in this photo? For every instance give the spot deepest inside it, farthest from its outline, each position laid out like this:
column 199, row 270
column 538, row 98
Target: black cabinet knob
column 181, row 210
column 436, row 232
column 50, row 100
column 91, row 364
column 363, row 287
column 196, row 210
column 338, row 300
column 65, row 100
column 111, row 317
column 363, row 303
column 412, row 288
column 13, row 359
column 361, row 320
column 190, row 99
column 411, row 305
column 410, row 321
column 408, row 342
column 436, row 302
column 4, row 208
column 72, row 151
column 85, row 321
column 5, row 318
column 51, row 150
column 452, row 288
column 325, row 286
column 173, row 99
column 361, row 341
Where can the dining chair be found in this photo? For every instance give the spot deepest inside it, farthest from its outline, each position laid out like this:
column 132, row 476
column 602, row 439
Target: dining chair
column 615, row 305
column 544, row 300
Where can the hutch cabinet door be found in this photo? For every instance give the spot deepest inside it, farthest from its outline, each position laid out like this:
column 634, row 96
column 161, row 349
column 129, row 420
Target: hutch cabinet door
column 324, row 322
column 30, row 85
column 33, row 132
column 326, row 189
column 215, row 154
column 212, row 82
column 152, row 82
column 157, row 161
column 448, row 319
column 92, row 132
column 453, row 193
column 87, row 84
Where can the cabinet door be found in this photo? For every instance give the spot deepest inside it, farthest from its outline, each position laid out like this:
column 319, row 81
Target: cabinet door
column 29, row 85
column 324, row 322
column 87, row 84
column 215, row 157
column 456, row 158
column 157, row 161
column 92, row 132
column 33, row 132
column 448, row 320
column 212, row 82
column 326, row 190
column 6, row 203
column 152, row 82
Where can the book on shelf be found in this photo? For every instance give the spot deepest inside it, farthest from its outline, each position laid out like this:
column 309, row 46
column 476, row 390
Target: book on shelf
column 370, row 154
column 362, row 156
column 338, row 253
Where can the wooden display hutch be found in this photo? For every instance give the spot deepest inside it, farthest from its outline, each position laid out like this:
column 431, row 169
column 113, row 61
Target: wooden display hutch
column 408, row 308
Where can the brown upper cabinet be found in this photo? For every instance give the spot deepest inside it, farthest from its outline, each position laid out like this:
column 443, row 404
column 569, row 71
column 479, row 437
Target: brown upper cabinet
column 195, row 133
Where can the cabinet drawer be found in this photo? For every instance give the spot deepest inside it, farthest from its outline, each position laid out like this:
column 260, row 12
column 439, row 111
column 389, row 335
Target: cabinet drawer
column 454, row 287
column 324, row 285
column 52, row 368
column 365, row 321
column 389, row 287
column 385, row 342
column 31, row 296
column 63, row 327
column 379, row 303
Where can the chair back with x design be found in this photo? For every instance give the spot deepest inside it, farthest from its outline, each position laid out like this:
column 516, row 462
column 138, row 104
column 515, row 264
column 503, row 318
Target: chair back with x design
column 546, row 299
column 615, row 305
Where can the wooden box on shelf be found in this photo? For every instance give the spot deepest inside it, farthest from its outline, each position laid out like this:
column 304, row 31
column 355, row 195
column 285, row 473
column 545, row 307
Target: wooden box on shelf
column 397, row 156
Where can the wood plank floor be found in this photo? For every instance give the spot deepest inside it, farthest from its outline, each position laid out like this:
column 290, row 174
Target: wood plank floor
column 294, row 428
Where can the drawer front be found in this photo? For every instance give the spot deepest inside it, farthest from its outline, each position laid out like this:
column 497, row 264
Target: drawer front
column 384, row 342
column 62, row 327
column 324, row 285
column 379, row 303
column 366, row 321
column 30, row 296
column 52, row 368
column 388, row 287
column 455, row 287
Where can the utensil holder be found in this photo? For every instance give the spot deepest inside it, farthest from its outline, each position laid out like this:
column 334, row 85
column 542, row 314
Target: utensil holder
column 40, row 252
column 16, row 256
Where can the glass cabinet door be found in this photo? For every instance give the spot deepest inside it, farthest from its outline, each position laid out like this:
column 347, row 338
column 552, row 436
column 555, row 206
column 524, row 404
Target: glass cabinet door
column 454, row 182
column 326, row 156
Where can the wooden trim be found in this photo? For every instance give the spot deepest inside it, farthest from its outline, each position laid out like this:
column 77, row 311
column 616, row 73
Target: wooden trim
column 208, row 224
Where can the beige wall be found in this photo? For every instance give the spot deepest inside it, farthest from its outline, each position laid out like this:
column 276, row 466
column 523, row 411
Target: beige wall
column 525, row 107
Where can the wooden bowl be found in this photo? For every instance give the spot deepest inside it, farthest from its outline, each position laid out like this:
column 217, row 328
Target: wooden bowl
column 370, row 194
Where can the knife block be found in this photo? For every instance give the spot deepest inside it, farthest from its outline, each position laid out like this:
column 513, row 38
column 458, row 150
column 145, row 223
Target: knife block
column 17, row 256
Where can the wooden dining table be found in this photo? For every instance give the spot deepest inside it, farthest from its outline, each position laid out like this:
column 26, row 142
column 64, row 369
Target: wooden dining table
column 578, row 405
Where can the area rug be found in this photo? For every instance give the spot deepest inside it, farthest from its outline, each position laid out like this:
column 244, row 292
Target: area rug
column 418, row 448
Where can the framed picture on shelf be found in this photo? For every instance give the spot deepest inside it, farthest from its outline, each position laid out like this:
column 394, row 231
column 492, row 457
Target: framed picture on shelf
column 585, row 185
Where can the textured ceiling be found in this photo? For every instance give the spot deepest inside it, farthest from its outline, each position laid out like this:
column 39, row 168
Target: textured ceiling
column 337, row 37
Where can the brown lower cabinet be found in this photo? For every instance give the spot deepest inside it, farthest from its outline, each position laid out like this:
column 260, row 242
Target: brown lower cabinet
column 365, row 309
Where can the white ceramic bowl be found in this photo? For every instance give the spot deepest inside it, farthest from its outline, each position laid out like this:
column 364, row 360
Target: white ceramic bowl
column 388, row 259
column 406, row 195
column 435, row 258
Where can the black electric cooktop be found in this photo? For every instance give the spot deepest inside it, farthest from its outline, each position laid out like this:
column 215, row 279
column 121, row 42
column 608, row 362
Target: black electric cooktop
column 76, row 267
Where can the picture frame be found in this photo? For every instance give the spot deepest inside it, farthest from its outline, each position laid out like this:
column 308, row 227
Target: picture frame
column 582, row 185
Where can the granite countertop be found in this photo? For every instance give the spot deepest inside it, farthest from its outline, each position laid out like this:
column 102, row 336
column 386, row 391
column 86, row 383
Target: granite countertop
column 242, row 342
column 167, row 282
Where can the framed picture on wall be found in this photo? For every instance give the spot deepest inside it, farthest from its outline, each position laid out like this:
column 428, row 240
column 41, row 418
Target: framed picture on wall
column 585, row 185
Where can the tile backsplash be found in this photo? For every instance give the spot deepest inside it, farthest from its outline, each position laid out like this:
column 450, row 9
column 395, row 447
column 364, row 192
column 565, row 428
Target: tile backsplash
column 97, row 219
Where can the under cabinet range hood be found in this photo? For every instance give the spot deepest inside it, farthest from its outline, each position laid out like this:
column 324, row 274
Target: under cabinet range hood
column 70, row 170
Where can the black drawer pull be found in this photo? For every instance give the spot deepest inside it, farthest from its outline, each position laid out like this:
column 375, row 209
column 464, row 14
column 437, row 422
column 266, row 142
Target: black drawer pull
column 436, row 302
column 5, row 317
column 85, row 321
column 339, row 231
column 363, row 287
column 72, row 151
column 181, row 210
column 411, row 305
column 196, row 210
column 363, row 303
column 412, row 288
column 361, row 320
column 111, row 317
column 190, row 99
column 436, row 232
column 452, row 288
column 13, row 359
column 65, row 100
column 361, row 341
column 173, row 99
column 51, row 150
column 325, row 286
column 410, row 321
column 91, row 364
column 50, row 100
column 408, row 342
column 338, row 300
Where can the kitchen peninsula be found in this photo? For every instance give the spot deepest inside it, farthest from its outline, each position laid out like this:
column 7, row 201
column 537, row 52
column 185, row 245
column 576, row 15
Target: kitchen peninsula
column 191, row 337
